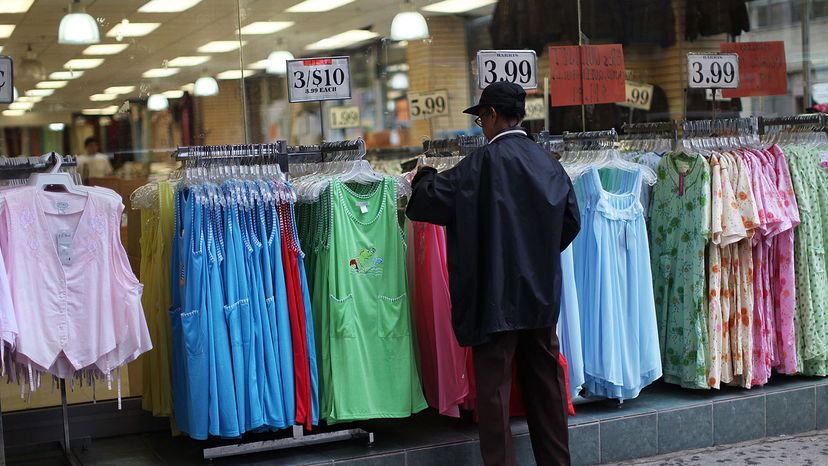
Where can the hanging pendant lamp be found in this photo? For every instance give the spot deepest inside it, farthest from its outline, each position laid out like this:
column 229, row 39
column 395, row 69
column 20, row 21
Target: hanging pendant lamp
column 205, row 86
column 409, row 24
column 78, row 27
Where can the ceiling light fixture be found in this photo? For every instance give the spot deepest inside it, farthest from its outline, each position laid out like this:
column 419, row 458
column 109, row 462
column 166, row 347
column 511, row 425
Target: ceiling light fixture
column 78, row 26
column 399, row 81
column 102, row 97
column 220, row 46
column 157, row 102
column 173, row 94
column 409, row 24
column 235, row 74
column 265, row 27
column 259, row 65
column 187, row 61
column 457, row 6
column 105, row 49
column 127, row 29
column 112, row 109
column 40, row 92
column 15, row 6
column 27, row 98
column 119, row 90
column 168, row 6
column 316, row 6
column 14, row 112
column 57, row 126
column 51, row 84
column 277, row 62
column 345, row 39
column 160, row 72
column 83, row 63
column 31, row 67
column 66, row 75
column 21, row 105
column 206, row 86
column 6, row 30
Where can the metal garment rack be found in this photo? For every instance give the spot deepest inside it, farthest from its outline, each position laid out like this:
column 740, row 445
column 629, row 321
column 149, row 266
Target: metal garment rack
column 284, row 155
column 590, row 140
column 667, row 130
column 818, row 120
column 18, row 169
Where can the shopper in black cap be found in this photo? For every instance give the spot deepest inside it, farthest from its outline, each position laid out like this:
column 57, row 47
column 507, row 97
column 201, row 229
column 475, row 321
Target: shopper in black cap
column 509, row 210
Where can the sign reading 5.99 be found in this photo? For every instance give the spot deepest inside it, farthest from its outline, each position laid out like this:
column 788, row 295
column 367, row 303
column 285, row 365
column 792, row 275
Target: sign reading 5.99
column 515, row 66
column 425, row 105
column 314, row 79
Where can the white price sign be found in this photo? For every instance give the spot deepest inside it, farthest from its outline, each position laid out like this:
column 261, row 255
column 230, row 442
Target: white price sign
column 6, row 81
column 344, row 117
column 314, row 79
column 425, row 105
column 713, row 70
column 535, row 110
column 639, row 96
column 515, row 66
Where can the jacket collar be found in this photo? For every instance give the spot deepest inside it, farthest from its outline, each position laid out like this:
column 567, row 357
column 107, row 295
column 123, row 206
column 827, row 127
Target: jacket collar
column 507, row 131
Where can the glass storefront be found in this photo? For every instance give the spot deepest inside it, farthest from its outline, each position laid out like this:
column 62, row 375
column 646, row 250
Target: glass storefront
column 170, row 73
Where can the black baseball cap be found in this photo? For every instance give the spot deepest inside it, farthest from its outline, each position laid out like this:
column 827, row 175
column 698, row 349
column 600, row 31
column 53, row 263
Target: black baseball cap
column 501, row 94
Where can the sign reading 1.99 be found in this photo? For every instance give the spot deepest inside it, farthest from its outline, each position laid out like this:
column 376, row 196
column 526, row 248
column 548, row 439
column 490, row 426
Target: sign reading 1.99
column 515, row 66
column 314, row 79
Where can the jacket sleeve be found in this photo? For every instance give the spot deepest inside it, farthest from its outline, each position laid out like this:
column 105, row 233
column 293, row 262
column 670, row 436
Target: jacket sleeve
column 571, row 219
column 433, row 197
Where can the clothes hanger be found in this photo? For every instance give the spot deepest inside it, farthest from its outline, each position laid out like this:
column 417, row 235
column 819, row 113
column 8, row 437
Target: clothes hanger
column 56, row 178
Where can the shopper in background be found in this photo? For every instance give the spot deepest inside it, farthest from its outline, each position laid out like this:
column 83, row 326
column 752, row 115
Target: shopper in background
column 509, row 210
column 93, row 164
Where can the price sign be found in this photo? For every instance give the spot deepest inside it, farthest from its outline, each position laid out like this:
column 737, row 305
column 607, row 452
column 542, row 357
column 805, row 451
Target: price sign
column 515, row 66
column 713, row 70
column 589, row 74
column 535, row 110
column 763, row 69
column 314, row 79
column 344, row 117
column 6, row 81
column 639, row 96
column 425, row 105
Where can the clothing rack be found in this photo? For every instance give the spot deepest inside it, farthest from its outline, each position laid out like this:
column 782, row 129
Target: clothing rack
column 590, row 140
column 282, row 154
column 721, row 127
column 817, row 120
column 18, row 168
column 667, row 130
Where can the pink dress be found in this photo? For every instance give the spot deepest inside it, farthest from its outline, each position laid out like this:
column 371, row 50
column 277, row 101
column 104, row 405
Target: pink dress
column 783, row 279
column 76, row 300
column 443, row 362
column 8, row 324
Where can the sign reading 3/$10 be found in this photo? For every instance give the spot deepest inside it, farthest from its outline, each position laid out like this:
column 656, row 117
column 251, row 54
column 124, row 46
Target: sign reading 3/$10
column 315, row 79
column 6, row 84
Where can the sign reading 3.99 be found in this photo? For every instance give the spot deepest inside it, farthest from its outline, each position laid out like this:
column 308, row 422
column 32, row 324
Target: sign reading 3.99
column 515, row 66
column 314, row 79
column 713, row 70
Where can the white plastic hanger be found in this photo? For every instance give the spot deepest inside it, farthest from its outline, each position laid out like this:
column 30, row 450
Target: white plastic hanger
column 56, row 178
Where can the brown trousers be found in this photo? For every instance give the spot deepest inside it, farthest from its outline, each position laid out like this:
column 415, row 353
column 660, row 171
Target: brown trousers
column 544, row 394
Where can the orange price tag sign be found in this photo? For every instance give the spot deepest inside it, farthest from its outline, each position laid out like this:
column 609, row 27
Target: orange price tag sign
column 589, row 74
column 763, row 68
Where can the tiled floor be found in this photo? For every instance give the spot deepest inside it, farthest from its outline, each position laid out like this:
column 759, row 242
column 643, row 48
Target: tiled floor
column 662, row 420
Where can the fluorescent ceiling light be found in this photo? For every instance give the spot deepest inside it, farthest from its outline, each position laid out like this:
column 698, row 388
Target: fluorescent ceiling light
column 187, row 61
column 57, row 126
column 6, row 30
column 457, row 6
column 14, row 112
column 119, row 89
column 259, row 65
column 1, row 49
column 27, row 98
column 188, row 87
column 40, row 92
column 174, row 94
column 168, row 6
column 127, row 29
column 83, row 63
column 15, row 6
column 100, row 111
column 102, row 97
column 354, row 36
column 235, row 74
column 219, row 46
column 265, row 27
column 51, row 84
column 105, row 49
column 64, row 75
column 21, row 105
column 160, row 72
column 315, row 6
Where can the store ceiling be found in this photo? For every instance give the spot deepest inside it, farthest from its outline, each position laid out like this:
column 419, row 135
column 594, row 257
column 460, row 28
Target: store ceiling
column 179, row 34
